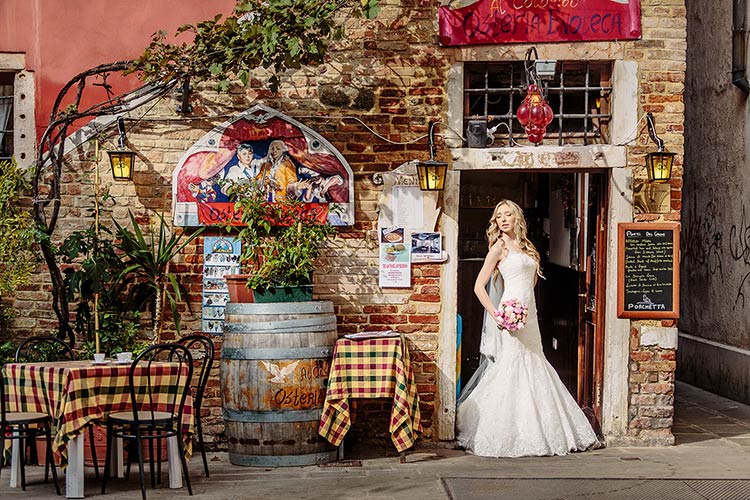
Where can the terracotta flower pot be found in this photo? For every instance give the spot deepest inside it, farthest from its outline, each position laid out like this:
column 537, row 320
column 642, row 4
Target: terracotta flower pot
column 100, row 446
column 41, row 452
column 238, row 291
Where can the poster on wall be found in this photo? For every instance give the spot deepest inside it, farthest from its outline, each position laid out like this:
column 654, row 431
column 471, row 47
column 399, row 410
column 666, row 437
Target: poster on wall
column 426, row 247
column 524, row 21
column 221, row 256
column 280, row 156
column 395, row 258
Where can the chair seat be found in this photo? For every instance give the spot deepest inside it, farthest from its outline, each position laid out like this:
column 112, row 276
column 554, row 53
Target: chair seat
column 144, row 417
column 25, row 417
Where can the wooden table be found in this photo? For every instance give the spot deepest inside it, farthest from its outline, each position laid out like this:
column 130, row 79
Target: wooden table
column 79, row 393
column 372, row 368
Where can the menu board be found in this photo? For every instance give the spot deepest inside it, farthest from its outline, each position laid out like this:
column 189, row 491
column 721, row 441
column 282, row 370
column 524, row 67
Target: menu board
column 648, row 273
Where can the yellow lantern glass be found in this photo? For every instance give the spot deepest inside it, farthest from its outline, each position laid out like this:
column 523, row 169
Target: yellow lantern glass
column 431, row 175
column 659, row 166
column 122, row 163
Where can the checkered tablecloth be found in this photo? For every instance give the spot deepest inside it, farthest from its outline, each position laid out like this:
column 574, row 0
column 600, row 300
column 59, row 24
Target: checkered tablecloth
column 76, row 393
column 371, row 368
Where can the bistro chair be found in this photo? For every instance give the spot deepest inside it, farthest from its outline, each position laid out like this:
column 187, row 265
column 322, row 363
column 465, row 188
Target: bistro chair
column 25, row 426
column 155, row 413
column 202, row 350
column 43, row 349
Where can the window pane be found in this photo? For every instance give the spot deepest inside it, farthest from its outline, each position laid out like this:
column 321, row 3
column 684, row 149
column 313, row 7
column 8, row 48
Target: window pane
column 6, row 115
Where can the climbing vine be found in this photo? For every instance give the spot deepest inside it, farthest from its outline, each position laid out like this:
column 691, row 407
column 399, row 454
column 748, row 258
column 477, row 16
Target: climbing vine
column 276, row 35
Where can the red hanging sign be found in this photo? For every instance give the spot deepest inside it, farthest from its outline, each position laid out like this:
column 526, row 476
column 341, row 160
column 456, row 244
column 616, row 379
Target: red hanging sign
column 522, row 21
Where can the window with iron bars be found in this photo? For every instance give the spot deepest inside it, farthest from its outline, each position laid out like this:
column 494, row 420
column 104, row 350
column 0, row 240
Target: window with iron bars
column 6, row 116
column 579, row 94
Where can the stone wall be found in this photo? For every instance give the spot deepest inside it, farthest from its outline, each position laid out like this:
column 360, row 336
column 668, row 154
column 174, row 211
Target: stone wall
column 715, row 294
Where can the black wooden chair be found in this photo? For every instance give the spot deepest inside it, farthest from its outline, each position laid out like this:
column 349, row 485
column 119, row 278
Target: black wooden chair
column 202, row 351
column 150, row 420
column 42, row 349
column 25, row 426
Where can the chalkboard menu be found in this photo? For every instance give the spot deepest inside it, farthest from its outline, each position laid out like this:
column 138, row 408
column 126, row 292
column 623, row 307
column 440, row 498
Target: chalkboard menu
column 648, row 282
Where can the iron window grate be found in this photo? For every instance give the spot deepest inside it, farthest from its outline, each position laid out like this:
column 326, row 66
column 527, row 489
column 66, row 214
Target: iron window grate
column 579, row 94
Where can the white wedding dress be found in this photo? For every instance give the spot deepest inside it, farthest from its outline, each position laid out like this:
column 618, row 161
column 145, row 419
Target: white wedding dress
column 519, row 406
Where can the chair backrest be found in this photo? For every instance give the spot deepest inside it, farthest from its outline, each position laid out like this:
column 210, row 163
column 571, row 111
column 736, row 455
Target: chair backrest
column 42, row 348
column 202, row 350
column 158, row 387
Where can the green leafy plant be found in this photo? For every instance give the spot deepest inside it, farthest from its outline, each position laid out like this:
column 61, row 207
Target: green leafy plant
column 280, row 240
column 115, row 335
column 18, row 232
column 276, row 35
column 7, row 352
column 147, row 275
column 91, row 278
column 18, row 256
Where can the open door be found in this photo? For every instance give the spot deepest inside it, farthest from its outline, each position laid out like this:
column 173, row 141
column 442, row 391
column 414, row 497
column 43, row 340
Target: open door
column 566, row 217
column 592, row 203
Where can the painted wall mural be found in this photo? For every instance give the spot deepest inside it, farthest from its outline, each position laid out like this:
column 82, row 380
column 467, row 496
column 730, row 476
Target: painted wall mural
column 284, row 158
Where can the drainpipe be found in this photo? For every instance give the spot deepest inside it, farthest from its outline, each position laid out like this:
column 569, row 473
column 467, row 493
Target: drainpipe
column 739, row 44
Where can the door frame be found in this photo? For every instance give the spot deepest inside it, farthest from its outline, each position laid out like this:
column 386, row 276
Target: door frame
column 613, row 386
column 612, row 157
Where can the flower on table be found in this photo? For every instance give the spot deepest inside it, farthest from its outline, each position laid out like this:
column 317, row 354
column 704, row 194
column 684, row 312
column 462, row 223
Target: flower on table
column 511, row 315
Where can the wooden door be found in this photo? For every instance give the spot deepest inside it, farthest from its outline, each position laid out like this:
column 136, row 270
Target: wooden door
column 592, row 259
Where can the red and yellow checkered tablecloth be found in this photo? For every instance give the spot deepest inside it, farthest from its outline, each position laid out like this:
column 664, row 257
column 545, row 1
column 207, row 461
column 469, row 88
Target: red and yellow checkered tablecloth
column 372, row 368
column 76, row 393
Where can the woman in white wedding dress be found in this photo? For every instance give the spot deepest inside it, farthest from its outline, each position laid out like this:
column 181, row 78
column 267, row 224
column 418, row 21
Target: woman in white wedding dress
column 516, row 405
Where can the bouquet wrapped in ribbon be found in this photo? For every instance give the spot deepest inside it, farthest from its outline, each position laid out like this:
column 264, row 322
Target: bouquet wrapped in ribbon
column 511, row 315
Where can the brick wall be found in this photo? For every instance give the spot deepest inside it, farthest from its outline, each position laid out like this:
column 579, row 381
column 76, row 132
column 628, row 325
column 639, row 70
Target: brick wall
column 391, row 74
column 661, row 57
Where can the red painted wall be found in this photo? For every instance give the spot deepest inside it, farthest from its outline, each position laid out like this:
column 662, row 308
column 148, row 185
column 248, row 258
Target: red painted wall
column 62, row 38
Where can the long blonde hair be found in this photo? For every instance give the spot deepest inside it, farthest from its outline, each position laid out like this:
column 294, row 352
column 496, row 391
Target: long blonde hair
column 494, row 233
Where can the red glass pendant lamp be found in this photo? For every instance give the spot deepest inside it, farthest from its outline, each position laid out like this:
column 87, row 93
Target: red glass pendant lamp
column 534, row 113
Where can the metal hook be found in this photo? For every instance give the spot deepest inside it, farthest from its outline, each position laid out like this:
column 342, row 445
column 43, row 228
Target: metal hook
column 121, row 131
column 652, row 132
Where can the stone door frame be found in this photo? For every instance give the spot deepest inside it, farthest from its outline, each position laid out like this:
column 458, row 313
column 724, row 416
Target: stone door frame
column 611, row 157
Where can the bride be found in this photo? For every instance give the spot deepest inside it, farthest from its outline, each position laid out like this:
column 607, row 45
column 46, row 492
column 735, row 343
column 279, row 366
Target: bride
column 516, row 404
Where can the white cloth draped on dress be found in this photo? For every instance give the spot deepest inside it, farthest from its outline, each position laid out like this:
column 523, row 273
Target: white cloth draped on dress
column 516, row 404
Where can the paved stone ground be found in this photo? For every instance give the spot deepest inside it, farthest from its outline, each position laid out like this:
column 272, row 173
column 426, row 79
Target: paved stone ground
column 712, row 443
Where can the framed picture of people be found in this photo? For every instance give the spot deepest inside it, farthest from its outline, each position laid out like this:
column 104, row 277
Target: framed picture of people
column 281, row 156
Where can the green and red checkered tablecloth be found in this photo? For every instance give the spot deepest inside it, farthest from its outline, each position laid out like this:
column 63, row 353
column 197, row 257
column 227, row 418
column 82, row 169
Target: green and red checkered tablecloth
column 76, row 393
column 372, row 368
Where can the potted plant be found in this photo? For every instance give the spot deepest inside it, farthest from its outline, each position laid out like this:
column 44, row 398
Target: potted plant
column 147, row 274
column 280, row 242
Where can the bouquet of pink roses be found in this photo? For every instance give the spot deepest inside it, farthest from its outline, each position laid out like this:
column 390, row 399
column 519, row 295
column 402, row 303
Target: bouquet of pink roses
column 511, row 315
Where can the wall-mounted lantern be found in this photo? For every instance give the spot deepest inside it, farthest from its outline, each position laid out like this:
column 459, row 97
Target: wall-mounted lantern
column 122, row 160
column 431, row 173
column 658, row 164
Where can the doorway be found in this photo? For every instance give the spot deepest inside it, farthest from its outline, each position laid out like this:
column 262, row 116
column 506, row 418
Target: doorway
column 565, row 214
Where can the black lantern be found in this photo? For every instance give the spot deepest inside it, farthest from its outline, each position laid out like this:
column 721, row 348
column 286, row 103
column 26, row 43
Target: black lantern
column 122, row 160
column 658, row 164
column 431, row 173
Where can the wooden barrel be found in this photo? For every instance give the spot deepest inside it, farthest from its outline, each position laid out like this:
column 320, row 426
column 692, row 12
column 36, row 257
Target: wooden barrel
column 275, row 361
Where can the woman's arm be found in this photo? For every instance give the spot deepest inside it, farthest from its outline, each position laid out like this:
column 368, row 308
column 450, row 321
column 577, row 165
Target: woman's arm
column 494, row 256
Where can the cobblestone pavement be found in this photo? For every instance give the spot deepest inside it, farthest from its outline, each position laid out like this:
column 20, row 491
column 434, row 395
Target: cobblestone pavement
column 712, row 442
